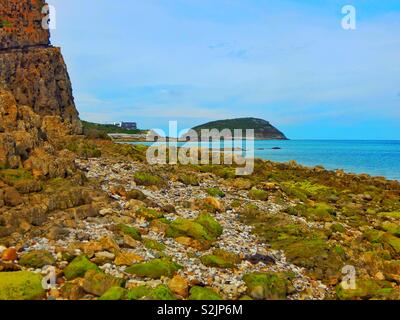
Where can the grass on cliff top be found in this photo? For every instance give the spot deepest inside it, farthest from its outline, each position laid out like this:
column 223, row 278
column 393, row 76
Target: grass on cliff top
column 107, row 128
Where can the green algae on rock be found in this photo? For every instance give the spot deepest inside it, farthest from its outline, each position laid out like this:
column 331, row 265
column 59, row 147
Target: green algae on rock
column 78, row 267
column 204, row 228
column 138, row 292
column 154, row 244
column 114, row 294
column 37, row 259
column 98, row 283
column 365, row 289
column 161, row 292
column 21, row 285
column 130, row 231
column 154, row 269
column 266, row 286
column 203, row 293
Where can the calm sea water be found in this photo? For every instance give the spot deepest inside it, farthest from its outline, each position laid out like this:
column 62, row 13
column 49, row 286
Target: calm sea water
column 377, row 158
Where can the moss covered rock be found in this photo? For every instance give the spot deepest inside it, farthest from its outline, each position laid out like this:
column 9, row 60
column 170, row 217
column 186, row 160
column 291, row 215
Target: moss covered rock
column 21, row 285
column 256, row 194
column 114, row 293
column 78, row 267
column 215, row 261
column 138, row 293
column 365, row 289
column 185, row 227
column 220, row 259
column 215, row 192
column 154, row 269
column 154, row 245
column 98, row 283
column 130, row 231
column 210, row 224
column 161, row 292
column 203, row 293
column 37, row 259
column 266, row 286
column 149, row 214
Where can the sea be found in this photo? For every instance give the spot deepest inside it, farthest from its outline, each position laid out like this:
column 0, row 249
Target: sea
column 373, row 157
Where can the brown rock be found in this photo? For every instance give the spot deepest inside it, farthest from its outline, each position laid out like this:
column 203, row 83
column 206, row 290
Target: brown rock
column 130, row 242
column 9, row 254
column 127, row 259
column 12, row 197
column 179, row 285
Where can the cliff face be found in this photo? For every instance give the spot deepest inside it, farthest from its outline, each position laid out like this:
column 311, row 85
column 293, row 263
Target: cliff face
column 21, row 24
column 36, row 103
column 31, row 69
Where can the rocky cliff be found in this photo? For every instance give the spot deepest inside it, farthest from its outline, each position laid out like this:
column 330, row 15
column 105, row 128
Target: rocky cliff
column 31, row 69
column 36, row 102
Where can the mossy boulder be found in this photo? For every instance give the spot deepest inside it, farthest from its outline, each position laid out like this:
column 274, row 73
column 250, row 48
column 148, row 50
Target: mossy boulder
column 185, row 227
column 138, row 292
column 391, row 227
column 266, row 286
column 148, row 179
column 215, row 261
column 149, row 214
column 130, row 231
column 210, row 224
column 257, row 194
column 98, row 283
column 78, row 267
column 154, row 245
column 21, row 285
column 154, row 269
column 114, row 293
column 37, row 259
column 220, row 259
column 203, row 293
column 161, row 292
column 365, row 289
column 215, row 192
column 188, row 179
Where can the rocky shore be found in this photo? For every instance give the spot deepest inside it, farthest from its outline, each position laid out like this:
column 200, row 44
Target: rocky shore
column 188, row 232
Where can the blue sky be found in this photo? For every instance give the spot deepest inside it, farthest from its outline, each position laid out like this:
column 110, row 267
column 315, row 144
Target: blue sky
column 287, row 61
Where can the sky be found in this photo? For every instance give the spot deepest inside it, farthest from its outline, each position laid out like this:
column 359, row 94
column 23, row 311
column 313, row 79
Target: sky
column 287, row 61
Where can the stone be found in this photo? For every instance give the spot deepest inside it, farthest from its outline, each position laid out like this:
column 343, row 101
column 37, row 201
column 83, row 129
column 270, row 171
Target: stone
column 9, row 254
column 154, row 269
column 130, row 231
column 98, row 283
column 130, row 242
column 78, row 267
column 103, row 257
column 127, row 259
column 266, row 286
column 12, row 197
column 203, row 293
column 114, row 294
column 179, row 286
column 161, row 292
column 21, row 285
column 72, row 291
column 57, row 233
column 36, row 259
column 138, row 292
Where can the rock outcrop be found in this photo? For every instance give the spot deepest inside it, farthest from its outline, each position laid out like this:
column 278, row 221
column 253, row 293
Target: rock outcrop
column 31, row 69
column 36, row 102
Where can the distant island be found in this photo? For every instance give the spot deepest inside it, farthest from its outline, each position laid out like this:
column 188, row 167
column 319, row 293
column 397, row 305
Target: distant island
column 263, row 130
